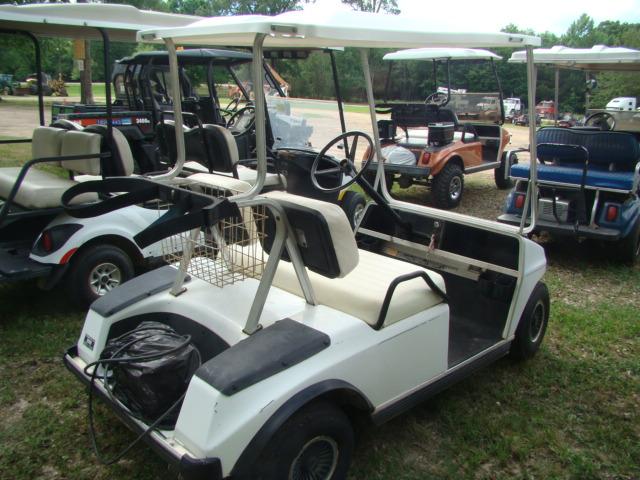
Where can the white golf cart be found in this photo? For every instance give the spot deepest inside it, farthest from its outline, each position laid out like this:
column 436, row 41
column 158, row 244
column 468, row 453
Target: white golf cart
column 589, row 176
column 279, row 324
column 37, row 239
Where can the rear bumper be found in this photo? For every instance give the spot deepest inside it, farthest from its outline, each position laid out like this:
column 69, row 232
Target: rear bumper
column 190, row 468
column 15, row 265
column 566, row 229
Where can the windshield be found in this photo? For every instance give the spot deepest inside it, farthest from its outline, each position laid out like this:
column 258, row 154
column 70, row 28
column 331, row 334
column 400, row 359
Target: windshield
column 308, row 117
column 473, row 87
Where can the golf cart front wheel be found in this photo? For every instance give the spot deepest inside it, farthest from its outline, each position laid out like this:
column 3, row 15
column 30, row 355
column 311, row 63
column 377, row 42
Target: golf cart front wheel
column 353, row 204
column 96, row 271
column 533, row 324
column 315, row 443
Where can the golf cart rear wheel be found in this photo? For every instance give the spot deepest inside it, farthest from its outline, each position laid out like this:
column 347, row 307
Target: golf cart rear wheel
column 447, row 187
column 629, row 247
column 353, row 204
column 96, row 271
column 315, row 443
column 533, row 324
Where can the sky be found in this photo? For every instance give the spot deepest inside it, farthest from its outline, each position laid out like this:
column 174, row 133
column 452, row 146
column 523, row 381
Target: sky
column 492, row 15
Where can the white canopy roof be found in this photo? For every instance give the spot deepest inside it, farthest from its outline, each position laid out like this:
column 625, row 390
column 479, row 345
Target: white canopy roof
column 80, row 20
column 441, row 54
column 301, row 29
column 597, row 58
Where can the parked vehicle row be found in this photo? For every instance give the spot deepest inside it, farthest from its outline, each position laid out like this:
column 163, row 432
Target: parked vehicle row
column 285, row 305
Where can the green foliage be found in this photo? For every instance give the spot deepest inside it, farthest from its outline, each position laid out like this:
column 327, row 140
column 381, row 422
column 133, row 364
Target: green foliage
column 233, row 7
column 388, row 6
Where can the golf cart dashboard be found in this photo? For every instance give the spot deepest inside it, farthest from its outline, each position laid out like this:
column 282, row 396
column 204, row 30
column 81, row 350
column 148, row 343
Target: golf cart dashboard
column 295, row 165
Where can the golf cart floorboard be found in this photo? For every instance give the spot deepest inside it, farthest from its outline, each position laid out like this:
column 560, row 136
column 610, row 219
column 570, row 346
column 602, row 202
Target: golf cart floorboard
column 16, row 265
column 467, row 338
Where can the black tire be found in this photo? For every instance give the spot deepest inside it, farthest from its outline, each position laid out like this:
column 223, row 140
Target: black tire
column 533, row 324
column 447, row 187
column 629, row 247
column 353, row 204
column 499, row 173
column 106, row 266
column 318, row 438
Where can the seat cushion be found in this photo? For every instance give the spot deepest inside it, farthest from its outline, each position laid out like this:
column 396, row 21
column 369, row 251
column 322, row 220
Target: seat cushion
column 596, row 178
column 361, row 292
column 39, row 189
column 220, row 182
column 46, row 142
column 250, row 175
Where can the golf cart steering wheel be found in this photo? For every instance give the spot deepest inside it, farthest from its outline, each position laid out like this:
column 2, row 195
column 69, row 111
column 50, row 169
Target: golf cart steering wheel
column 439, row 99
column 347, row 165
column 242, row 121
column 603, row 120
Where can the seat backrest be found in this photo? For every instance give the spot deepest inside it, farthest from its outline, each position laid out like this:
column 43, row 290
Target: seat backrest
column 121, row 162
column 619, row 150
column 46, row 142
column 322, row 231
column 213, row 146
column 81, row 143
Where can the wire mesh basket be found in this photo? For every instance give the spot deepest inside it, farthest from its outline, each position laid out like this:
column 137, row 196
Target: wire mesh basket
column 228, row 252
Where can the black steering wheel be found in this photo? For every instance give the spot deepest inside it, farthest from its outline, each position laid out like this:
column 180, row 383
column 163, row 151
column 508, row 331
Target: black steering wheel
column 346, row 166
column 242, row 121
column 603, row 120
column 439, row 99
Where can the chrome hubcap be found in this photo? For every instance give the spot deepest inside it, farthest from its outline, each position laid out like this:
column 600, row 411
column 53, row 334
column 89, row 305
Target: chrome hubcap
column 537, row 322
column 455, row 188
column 317, row 460
column 357, row 214
column 104, row 278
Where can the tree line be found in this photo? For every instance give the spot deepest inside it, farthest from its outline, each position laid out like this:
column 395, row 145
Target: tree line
column 312, row 78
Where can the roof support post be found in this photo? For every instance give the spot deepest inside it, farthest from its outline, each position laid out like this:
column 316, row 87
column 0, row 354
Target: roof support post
column 532, row 190
column 261, row 115
column 380, row 181
column 555, row 99
column 106, row 58
column 176, row 93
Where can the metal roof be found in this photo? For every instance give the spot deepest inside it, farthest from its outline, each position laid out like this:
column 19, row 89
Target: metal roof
column 301, row 29
column 442, row 54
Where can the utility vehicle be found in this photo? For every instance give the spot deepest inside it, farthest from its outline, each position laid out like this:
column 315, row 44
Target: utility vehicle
column 451, row 133
column 284, row 324
column 589, row 176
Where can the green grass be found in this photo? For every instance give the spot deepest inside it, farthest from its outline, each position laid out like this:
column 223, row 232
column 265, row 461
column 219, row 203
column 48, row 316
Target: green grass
column 73, row 89
column 569, row 413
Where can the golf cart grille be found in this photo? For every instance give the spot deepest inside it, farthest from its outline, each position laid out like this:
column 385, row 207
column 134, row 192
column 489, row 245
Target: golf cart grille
column 230, row 251
column 546, row 206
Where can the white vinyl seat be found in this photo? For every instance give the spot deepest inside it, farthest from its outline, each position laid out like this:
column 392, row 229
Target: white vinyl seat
column 41, row 189
column 365, row 277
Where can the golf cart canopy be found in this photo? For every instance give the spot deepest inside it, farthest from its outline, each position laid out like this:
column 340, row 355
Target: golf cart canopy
column 330, row 29
column 196, row 56
column 442, row 54
column 595, row 59
column 81, row 20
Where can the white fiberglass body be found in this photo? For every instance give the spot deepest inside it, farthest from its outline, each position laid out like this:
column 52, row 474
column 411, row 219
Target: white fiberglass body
column 419, row 298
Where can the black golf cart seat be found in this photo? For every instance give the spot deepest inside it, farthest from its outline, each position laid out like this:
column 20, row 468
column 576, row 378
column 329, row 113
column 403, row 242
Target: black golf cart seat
column 42, row 189
column 377, row 289
column 211, row 149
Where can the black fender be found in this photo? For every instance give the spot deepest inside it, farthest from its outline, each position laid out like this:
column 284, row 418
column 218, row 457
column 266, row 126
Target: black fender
column 257, row 444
